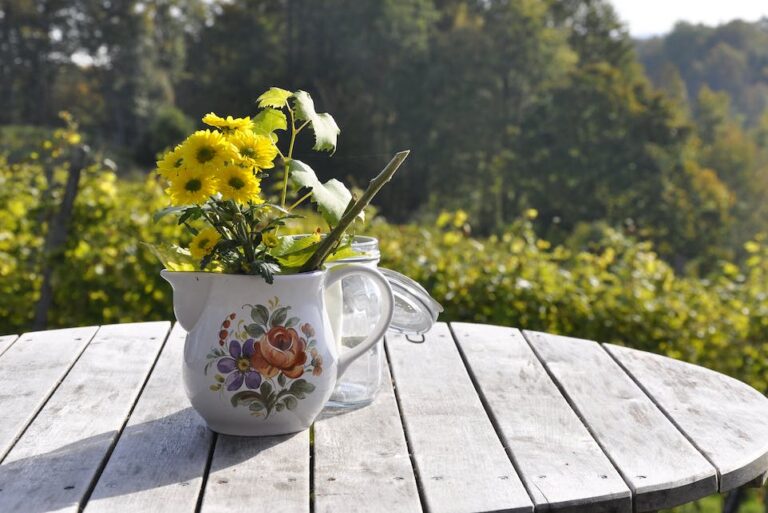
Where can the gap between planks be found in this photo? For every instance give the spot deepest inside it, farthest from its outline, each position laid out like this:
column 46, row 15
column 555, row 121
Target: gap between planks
column 718, row 475
column 414, row 465
column 491, row 416
column 581, row 418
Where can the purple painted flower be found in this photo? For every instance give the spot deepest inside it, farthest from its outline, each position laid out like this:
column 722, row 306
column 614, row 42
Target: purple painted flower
column 238, row 368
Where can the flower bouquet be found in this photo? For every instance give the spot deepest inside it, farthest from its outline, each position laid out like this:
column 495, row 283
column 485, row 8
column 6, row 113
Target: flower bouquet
column 261, row 357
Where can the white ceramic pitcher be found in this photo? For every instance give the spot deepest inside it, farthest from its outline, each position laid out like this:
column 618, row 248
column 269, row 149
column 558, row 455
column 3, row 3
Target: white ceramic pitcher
column 261, row 359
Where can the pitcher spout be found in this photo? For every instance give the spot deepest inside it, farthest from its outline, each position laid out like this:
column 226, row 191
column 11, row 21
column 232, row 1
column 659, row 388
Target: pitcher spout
column 190, row 295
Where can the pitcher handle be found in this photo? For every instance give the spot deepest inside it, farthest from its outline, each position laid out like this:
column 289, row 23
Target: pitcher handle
column 340, row 272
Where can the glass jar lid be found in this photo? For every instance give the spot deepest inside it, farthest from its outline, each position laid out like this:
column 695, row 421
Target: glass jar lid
column 415, row 310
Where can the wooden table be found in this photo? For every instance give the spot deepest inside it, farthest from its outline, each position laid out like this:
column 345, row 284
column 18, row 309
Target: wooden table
column 480, row 418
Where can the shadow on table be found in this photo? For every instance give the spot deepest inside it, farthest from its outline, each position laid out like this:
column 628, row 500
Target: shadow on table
column 169, row 451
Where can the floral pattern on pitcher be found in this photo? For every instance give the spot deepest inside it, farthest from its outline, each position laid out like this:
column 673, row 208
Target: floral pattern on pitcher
column 263, row 360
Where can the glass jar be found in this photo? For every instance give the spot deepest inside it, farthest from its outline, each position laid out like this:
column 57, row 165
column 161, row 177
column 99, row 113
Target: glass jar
column 358, row 301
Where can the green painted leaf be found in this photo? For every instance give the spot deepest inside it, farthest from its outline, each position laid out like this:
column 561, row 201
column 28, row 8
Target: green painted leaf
column 256, row 406
column 290, row 402
column 325, row 128
column 279, row 406
column 266, row 389
column 246, row 396
column 281, row 379
column 269, row 120
column 274, row 97
column 279, row 316
column 255, row 330
column 301, row 387
column 331, row 197
column 293, row 321
column 260, row 314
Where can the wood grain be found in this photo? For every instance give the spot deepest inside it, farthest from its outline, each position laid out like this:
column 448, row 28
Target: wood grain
column 460, row 461
column 654, row 457
column 725, row 418
column 159, row 460
column 6, row 341
column 561, row 464
column 268, row 474
column 362, row 461
column 52, row 466
column 30, row 370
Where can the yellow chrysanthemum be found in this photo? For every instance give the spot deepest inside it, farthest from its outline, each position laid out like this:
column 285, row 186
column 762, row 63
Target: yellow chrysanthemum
column 191, row 187
column 255, row 150
column 206, row 150
column 171, row 164
column 203, row 243
column 270, row 240
column 240, row 185
column 227, row 125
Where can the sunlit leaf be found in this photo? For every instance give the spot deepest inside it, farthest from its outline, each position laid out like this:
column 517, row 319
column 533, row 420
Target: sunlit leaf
column 325, row 128
column 269, row 120
column 331, row 197
column 274, row 97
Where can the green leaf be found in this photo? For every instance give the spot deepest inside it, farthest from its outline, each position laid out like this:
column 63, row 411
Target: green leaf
column 274, row 97
column 331, row 197
column 293, row 321
column 256, row 406
column 260, row 314
column 279, row 316
column 167, row 210
column 246, row 396
column 255, row 330
column 266, row 389
column 342, row 253
column 301, row 387
column 279, row 406
column 173, row 257
column 290, row 402
column 325, row 128
column 269, row 120
column 281, row 379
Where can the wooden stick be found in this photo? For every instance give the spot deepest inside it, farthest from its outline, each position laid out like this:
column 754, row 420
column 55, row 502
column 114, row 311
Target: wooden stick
column 328, row 243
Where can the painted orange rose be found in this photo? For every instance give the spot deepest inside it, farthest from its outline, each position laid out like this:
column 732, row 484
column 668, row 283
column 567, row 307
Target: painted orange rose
column 281, row 349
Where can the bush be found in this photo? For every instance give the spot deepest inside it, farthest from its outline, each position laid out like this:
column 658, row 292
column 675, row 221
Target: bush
column 616, row 290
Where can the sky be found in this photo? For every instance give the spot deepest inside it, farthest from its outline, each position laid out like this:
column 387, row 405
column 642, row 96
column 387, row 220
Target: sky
column 647, row 18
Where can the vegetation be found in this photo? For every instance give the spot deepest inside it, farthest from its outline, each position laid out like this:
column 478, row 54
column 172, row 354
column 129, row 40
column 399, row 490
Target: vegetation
column 580, row 182
column 558, row 105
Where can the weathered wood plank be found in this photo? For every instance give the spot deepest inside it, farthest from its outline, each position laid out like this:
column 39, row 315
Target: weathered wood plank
column 7, row 341
column 725, row 418
column 559, row 461
column 653, row 456
column 53, row 464
column 30, row 370
column 268, row 474
column 159, row 460
column 362, row 461
column 460, row 461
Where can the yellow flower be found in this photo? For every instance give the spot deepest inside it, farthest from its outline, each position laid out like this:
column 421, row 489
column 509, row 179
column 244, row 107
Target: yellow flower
column 240, row 185
column 269, row 240
column 460, row 218
column 191, row 187
column 255, row 150
column 203, row 243
column 206, row 150
column 171, row 163
column 227, row 125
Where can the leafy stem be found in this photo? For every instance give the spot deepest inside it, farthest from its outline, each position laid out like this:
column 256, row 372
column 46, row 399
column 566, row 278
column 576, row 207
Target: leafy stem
column 331, row 241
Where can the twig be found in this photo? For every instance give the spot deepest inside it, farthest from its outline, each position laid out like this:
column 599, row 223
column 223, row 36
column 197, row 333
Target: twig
column 326, row 246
